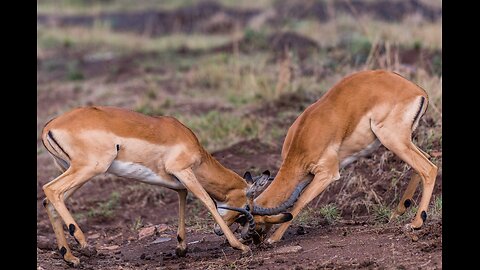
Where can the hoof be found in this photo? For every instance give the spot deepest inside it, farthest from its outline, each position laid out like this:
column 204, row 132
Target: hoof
column 271, row 241
column 246, row 252
column 181, row 252
column 71, row 260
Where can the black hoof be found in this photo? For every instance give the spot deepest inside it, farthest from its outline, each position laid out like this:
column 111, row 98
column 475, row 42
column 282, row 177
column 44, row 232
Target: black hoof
column 407, row 203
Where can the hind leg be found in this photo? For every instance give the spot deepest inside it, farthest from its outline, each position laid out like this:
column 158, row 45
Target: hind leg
column 56, row 192
column 400, row 143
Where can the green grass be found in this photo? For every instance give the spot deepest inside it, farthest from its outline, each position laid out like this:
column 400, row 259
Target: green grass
column 311, row 216
column 137, row 224
column 216, row 130
column 330, row 212
column 381, row 213
column 436, row 208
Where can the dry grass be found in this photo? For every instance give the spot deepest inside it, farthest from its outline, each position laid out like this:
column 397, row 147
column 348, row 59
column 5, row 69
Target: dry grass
column 412, row 31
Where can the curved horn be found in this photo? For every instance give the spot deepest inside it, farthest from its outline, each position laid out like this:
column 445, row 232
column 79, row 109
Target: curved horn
column 257, row 210
column 251, row 221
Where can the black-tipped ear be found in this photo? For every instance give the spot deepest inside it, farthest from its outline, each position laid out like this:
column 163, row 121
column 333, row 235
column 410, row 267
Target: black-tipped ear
column 267, row 172
column 248, row 177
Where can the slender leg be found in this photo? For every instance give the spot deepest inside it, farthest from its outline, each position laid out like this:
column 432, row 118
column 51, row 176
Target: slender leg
column 181, row 249
column 59, row 234
column 188, row 179
column 318, row 184
column 55, row 191
column 402, row 146
column 407, row 197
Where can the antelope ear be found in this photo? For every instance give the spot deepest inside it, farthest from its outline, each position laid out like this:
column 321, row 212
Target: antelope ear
column 248, row 177
column 267, row 173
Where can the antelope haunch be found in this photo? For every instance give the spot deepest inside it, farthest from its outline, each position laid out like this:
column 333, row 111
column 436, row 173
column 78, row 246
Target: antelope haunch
column 351, row 120
column 89, row 141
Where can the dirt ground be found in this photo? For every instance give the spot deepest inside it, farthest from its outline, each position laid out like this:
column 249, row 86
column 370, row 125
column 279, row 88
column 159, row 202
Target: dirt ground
column 133, row 225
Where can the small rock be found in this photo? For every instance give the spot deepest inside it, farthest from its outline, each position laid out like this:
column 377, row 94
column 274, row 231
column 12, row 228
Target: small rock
column 161, row 240
column 113, row 247
column 414, row 238
column 145, row 232
column 94, row 236
column 161, row 227
column 288, row 249
column 89, row 251
column 142, row 256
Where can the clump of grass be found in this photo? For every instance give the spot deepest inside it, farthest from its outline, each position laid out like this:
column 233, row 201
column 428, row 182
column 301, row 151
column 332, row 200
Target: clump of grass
column 106, row 209
column 437, row 207
column 216, row 129
column 137, row 224
column 255, row 39
column 308, row 216
column 381, row 213
column 330, row 212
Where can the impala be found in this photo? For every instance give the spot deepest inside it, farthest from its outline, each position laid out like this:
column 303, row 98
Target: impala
column 351, row 120
column 89, row 141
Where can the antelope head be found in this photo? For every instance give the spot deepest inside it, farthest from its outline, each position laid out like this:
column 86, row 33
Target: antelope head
column 249, row 229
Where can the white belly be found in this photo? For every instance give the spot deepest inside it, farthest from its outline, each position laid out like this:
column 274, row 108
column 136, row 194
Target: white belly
column 142, row 173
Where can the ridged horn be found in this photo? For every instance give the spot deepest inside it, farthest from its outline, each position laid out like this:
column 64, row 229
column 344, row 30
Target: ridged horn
column 257, row 210
column 248, row 215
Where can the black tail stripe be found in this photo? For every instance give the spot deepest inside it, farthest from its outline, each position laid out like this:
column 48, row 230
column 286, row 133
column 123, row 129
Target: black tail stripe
column 55, row 141
column 419, row 111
